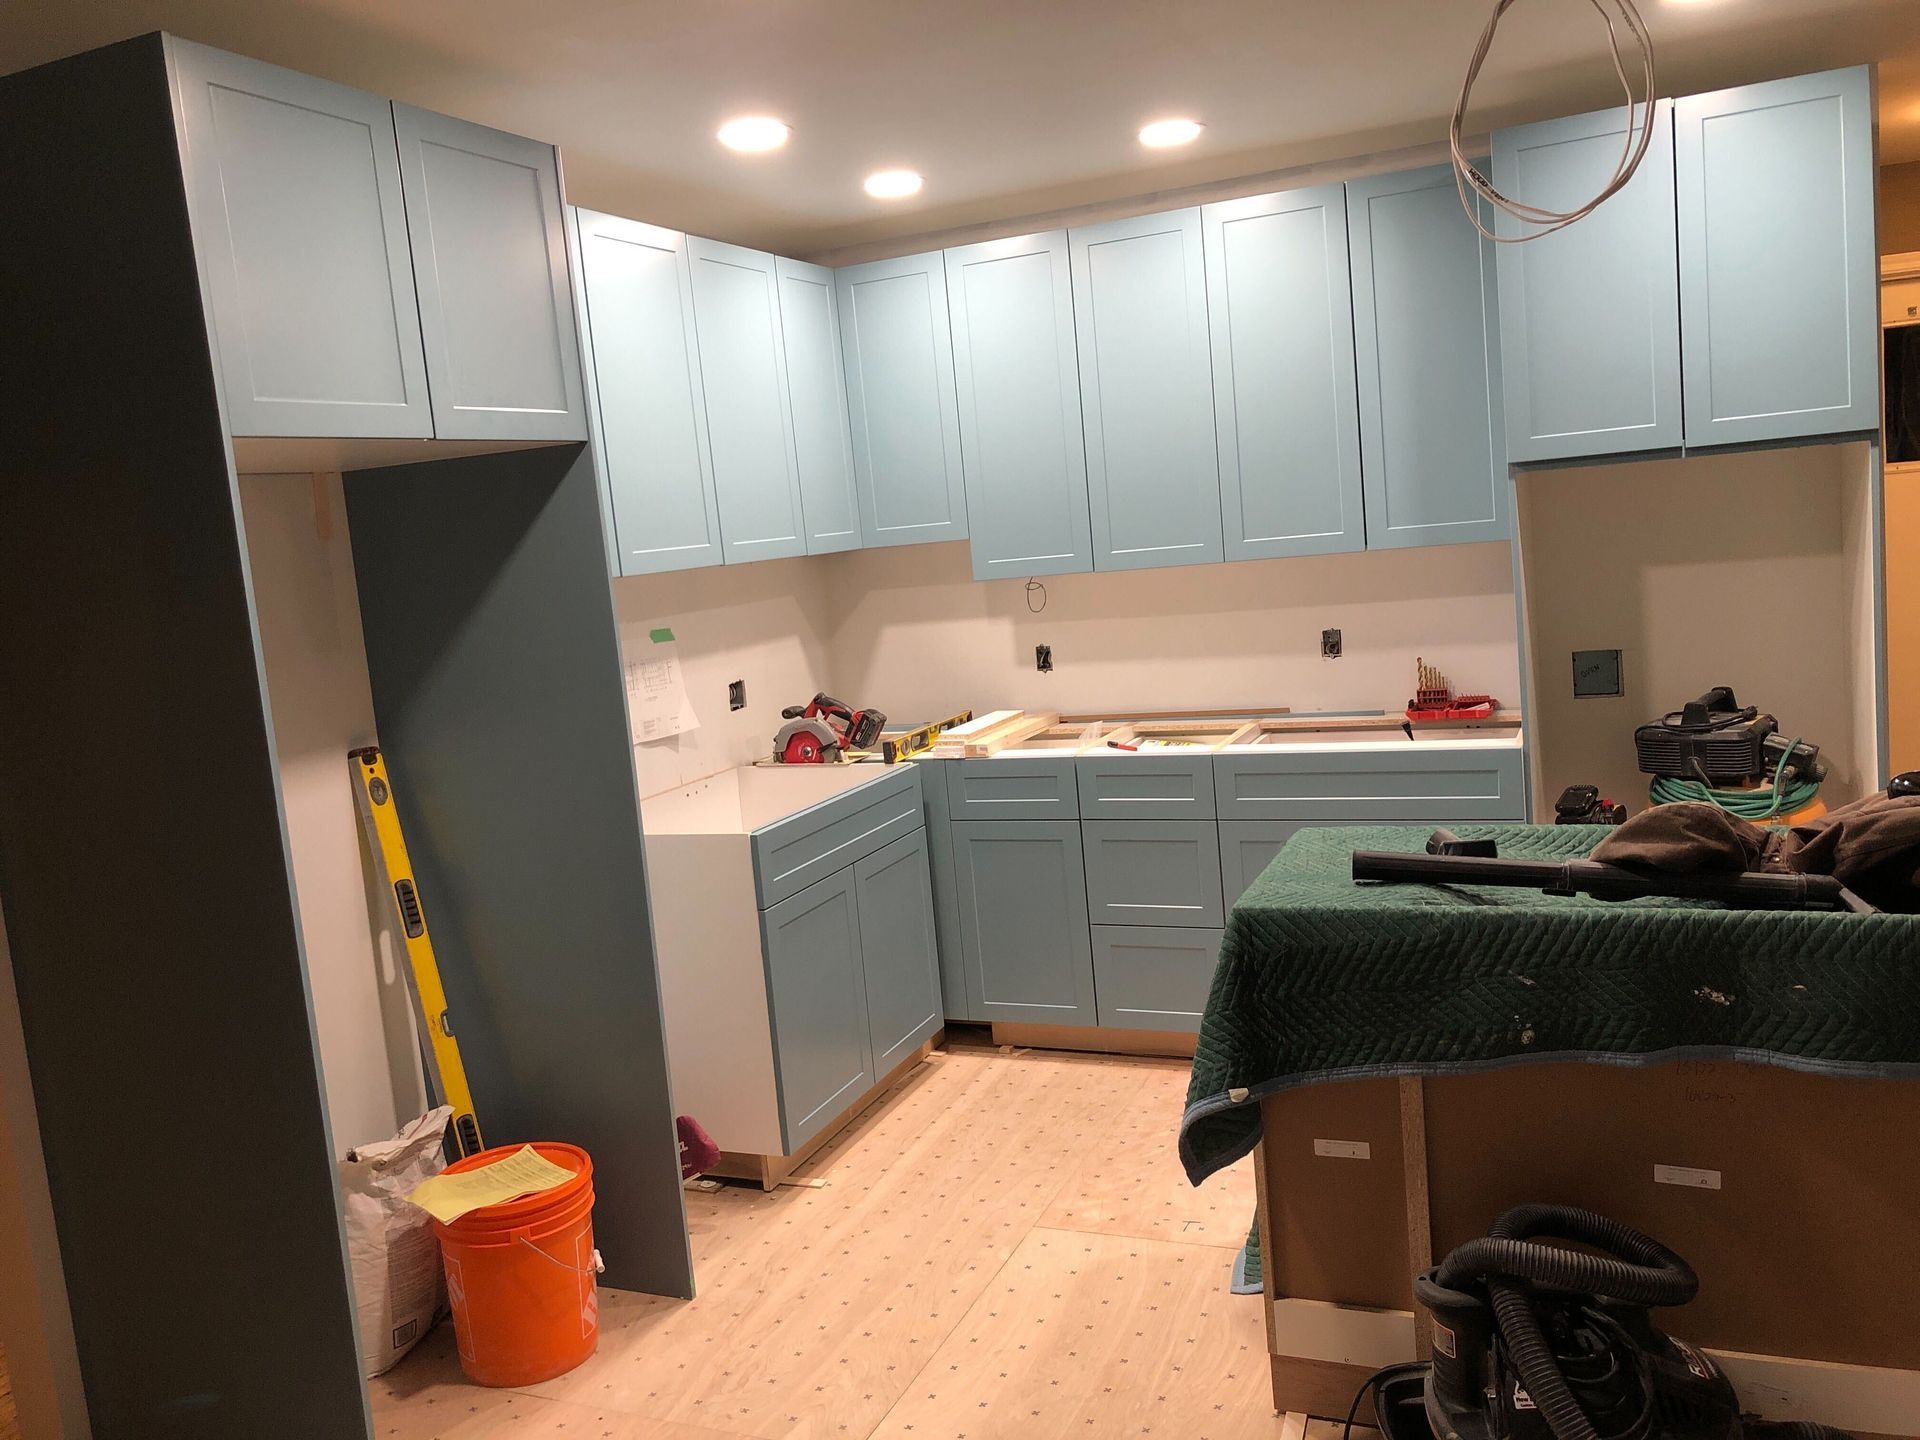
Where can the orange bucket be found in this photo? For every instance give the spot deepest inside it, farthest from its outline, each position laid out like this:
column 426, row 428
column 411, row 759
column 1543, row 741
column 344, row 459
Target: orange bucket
column 521, row 1276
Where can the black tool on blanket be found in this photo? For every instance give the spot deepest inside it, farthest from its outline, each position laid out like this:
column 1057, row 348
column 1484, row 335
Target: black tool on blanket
column 1534, row 1341
column 1452, row 861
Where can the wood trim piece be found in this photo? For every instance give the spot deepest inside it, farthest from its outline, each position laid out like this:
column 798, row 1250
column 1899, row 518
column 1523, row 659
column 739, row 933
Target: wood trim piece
column 981, row 749
column 1104, row 1040
column 1239, row 712
column 1413, row 1152
column 1320, row 1389
column 1499, row 719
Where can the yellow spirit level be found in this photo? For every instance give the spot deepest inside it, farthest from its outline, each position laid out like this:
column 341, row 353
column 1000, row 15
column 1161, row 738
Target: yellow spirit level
column 375, row 794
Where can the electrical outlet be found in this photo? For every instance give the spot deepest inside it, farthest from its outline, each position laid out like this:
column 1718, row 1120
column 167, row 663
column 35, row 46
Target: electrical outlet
column 1329, row 644
column 1043, row 658
column 737, row 695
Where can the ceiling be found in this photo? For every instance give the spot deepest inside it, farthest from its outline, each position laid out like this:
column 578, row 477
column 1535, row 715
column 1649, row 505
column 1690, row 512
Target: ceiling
column 1009, row 107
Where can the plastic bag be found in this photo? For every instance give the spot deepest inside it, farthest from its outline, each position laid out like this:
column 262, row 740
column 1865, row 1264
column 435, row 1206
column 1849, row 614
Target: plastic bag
column 391, row 1249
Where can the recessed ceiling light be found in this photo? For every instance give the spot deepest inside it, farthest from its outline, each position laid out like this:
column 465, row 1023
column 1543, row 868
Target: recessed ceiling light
column 1163, row 133
column 893, row 184
column 753, row 133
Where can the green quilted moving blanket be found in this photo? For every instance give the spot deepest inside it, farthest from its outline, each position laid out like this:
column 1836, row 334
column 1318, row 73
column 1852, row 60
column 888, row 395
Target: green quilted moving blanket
column 1323, row 979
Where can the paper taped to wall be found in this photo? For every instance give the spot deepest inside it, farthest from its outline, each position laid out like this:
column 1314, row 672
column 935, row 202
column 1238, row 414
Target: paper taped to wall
column 657, row 703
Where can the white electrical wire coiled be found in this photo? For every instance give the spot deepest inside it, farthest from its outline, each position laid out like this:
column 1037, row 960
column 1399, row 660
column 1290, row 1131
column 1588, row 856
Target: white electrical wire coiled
column 1539, row 220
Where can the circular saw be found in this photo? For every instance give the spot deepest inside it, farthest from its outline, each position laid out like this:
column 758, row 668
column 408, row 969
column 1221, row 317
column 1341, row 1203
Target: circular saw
column 823, row 729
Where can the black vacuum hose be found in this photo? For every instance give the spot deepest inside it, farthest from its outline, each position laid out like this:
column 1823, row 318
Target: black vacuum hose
column 1637, row 1269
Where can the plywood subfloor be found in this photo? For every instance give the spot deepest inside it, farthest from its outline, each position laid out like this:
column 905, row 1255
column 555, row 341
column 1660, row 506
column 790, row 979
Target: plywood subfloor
column 1005, row 1247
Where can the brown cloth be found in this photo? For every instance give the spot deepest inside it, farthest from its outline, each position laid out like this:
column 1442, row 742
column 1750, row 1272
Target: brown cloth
column 1871, row 846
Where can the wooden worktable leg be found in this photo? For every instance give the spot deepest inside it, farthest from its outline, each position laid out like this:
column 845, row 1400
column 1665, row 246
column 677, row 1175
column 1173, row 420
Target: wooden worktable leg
column 1413, row 1151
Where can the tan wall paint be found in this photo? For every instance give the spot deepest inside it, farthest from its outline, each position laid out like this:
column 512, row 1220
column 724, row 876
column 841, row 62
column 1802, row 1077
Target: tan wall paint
column 1717, row 570
column 316, row 662
column 1900, row 208
column 919, row 637
column 1903, row 616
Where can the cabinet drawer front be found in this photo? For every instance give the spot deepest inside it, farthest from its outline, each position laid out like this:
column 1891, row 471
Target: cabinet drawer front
column 1012, row 789
column 1145, row 787
column 1153, row 872
column 1023, row 920
column 817, row 997
column 1149, row 977
column 790, row 855
column 1379, row 785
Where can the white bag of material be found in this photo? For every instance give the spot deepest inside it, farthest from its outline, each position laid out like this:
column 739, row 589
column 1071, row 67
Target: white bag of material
column 391, row 1249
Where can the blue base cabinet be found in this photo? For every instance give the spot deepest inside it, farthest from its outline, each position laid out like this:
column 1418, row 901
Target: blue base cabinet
column 1153, row 872
column 1023, row 920
column 898, row 966
column 822, row 1046
column 1426, row 333
column 1778, row 260
column 1589, row 315
column 1153, row 977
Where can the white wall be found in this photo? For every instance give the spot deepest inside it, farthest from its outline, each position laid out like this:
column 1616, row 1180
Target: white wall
column 920, row 638
column 316, row 662
column 768, row 624
column 1713, row 570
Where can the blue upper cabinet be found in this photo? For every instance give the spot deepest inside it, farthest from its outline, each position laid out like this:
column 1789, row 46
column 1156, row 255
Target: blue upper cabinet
column 816, row 381
column 490, row 268
column 1778, row 268
column 1283, row 380
column 743, row 374
column 1146, row 391
column 1589, row 315
column 294, row 188
column 900, row 400
column 1018, row 384
column 648, row 415
column 1425, row 322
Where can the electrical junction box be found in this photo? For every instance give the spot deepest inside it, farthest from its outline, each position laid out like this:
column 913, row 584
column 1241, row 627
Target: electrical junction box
column 1596, row 673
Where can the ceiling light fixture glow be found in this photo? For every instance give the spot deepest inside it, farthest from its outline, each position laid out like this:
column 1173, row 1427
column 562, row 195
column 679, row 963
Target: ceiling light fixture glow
column 753, row 134
column 893, row 184
column 1162, row 134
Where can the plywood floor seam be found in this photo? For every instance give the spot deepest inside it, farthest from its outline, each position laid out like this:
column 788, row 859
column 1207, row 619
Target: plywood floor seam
column 1005, row 1247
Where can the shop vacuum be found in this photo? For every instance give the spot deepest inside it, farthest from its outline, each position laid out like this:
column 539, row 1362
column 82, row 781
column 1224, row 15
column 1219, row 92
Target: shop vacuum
column 1535, row 1341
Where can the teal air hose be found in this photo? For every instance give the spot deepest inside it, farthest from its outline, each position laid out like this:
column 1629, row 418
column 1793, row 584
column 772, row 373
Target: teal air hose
column 1782, row 797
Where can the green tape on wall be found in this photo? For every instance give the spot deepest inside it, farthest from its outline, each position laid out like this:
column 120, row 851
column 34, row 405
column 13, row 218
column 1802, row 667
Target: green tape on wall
column 662, row 636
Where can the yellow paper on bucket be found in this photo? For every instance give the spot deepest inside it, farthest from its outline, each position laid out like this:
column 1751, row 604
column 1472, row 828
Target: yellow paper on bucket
column 525, row 1172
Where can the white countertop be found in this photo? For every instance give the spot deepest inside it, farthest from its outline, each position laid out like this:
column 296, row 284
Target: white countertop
column 750, row 797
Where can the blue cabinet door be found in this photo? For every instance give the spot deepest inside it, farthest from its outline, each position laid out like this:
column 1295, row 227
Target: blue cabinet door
column 946, row 898
column 1589, row 315
column 1018, row 382
column 1426, row 333
column 817, row 994
column 1152, row 977
column 900, row 400
column 294, row 188
column 490, row 268
column 897, row 951
column 1778, row 267
column 648, row 417
column 1020, row 421
column 1153, row 872
column 743, row 374
column 1281, row 320
column 816, row 382
column 1023, row 920
column 1146, row 391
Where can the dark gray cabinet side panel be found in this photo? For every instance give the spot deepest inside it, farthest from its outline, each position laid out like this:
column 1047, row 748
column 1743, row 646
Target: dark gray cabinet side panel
column 946, row 899
column 490, row 265
column 1023, row 919
column 896, row 948
column 821, row 1058
column 294, row 185
column 155, row 943
column 496, row 684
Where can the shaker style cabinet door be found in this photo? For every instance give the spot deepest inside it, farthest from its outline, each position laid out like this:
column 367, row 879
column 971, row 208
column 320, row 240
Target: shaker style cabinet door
column 896, row 941
column 644, row 399
column 294, row 188
column 490, row 265
column 817, row 994
column 1018, row 380
column 1779, row 268
column 1146, row 391
column 1023, row 920
column 1589, row 315
column 1433, row 442
column 816, row 381
column 1280, row 312
column 743, row 374
column 900, row 400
